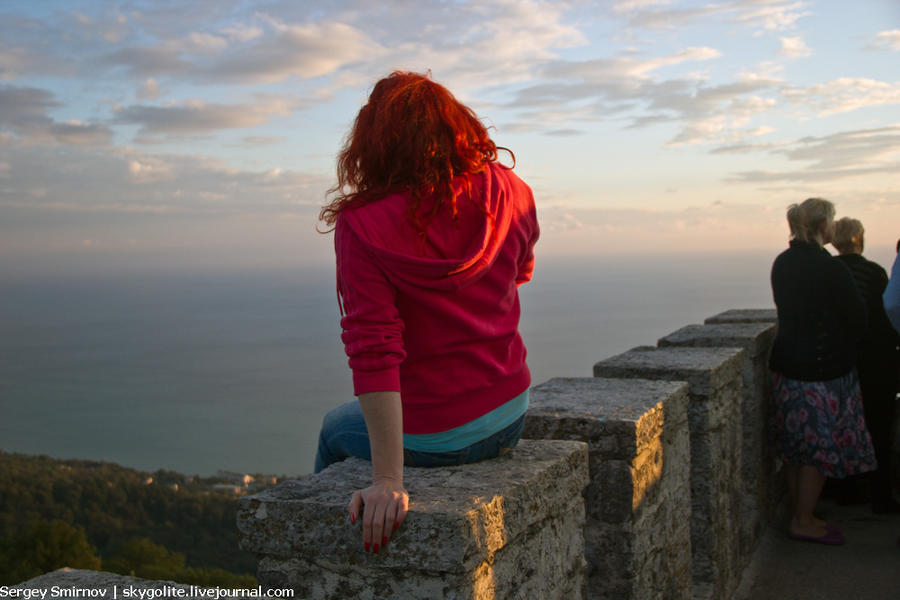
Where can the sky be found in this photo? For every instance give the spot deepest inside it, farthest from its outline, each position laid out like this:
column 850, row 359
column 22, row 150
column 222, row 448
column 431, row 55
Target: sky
column 171, row 135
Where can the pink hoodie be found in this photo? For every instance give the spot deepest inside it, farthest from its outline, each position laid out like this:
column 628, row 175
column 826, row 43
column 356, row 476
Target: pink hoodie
column 436, row 317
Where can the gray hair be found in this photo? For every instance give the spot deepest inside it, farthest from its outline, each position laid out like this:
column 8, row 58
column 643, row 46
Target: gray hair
column 804, row 218
column 848, row 235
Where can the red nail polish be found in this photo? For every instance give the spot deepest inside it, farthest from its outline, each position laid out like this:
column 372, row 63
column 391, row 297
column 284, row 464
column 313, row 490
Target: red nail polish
column 384, row 541
column 375, row 550
column 367, row 546
column 352, row 519
column 396, row 525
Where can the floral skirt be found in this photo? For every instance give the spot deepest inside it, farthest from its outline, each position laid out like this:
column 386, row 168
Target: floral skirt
column 821, row 423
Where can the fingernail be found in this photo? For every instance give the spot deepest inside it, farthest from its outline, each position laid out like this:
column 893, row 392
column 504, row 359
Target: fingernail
column 367, row 547
column 396, row 525
column 375, row 550
column 352, row 518
column 384, row 541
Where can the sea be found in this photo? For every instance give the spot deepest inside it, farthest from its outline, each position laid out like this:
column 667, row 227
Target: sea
column 201, row 371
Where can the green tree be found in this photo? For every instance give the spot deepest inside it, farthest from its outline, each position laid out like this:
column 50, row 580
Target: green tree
column 140, row 557
column 44, row 546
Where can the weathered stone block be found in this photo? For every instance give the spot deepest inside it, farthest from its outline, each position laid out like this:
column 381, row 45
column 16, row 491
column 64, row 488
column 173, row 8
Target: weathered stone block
column 755, row 337
column 511, row 527
column 757, row 468
column 715, row 383
column 744, row 315
column 637, row 535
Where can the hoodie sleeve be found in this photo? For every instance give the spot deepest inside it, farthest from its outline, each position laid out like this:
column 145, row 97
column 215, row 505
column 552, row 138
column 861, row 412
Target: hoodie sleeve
column 526, row 262
column 371, row 324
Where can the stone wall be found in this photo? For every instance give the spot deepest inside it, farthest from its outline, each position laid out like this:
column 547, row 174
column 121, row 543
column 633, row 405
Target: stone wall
column 715, row 390
column 637, row 534
column 650, row 480
column 728, row 472
column 757, row 468
column 512, row 527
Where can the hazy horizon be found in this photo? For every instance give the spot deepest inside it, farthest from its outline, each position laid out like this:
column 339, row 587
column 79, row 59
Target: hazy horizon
column 199, row 372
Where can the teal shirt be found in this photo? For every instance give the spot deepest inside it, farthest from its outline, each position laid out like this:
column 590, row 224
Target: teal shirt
column 473, row 431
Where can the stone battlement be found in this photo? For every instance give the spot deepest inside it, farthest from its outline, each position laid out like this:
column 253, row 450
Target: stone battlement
column 669, row 485
column 650, row 480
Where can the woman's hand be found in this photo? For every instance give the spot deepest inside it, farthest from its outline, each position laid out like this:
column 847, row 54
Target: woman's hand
column 385, row 502
column 384, row 505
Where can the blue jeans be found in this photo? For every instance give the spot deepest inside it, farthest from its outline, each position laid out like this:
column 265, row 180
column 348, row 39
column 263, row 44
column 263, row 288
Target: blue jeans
column 344, row 434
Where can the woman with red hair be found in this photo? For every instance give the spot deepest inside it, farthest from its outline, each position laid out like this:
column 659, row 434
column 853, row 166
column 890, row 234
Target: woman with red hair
column 432, row 239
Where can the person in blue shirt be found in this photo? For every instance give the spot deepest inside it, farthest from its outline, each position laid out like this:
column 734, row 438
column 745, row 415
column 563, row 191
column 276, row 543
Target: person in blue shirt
column 891, row 295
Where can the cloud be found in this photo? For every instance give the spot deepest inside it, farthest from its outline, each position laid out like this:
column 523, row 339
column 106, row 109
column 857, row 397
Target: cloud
column 834, row 157
column 885, row 40
column 199, row 117
column 627, row 6
column 843, row 95
column 21, row 105
column 23, row 111
column 649, row 17
column 747, row 148
column 205, row 43
column 304, row 51
column 625, row 87
column 118, row 180
column 77, row 133
column 144, row 61
column 164, row 211
column 149, row 170
column 109, row 27
column 262, row 140
column 609, row 81
column 764, row 15
column 712, row 113
column 14, row 62
column 625, row 71
column 564, row 132
column 466, row 45
column 769, row 15
column 794, row 47
column 30, row 47
column 149, row 90
column 241, row 33
column 858, row 148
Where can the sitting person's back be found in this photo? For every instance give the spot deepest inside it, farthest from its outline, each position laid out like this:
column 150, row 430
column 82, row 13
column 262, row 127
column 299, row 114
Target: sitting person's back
column 444, row 299
column 432, row 239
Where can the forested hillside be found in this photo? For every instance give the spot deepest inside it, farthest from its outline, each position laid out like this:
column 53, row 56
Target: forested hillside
column 120, row 512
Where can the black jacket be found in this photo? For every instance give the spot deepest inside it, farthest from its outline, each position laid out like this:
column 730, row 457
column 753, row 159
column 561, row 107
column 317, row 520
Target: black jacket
column 878, row 347
column 821, row 315
column 871, row 280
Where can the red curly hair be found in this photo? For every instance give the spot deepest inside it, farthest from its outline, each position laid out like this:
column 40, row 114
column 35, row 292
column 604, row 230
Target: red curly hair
column 411, row 136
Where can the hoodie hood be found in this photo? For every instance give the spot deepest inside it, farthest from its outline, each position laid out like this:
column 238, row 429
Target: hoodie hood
column 451, row 254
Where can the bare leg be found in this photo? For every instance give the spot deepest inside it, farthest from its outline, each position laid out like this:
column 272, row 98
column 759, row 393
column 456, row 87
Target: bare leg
column 791, row 473
column 809, row 484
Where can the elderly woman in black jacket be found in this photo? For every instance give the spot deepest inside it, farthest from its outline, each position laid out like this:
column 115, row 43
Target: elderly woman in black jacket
column 819, row 426
column 877, row 360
